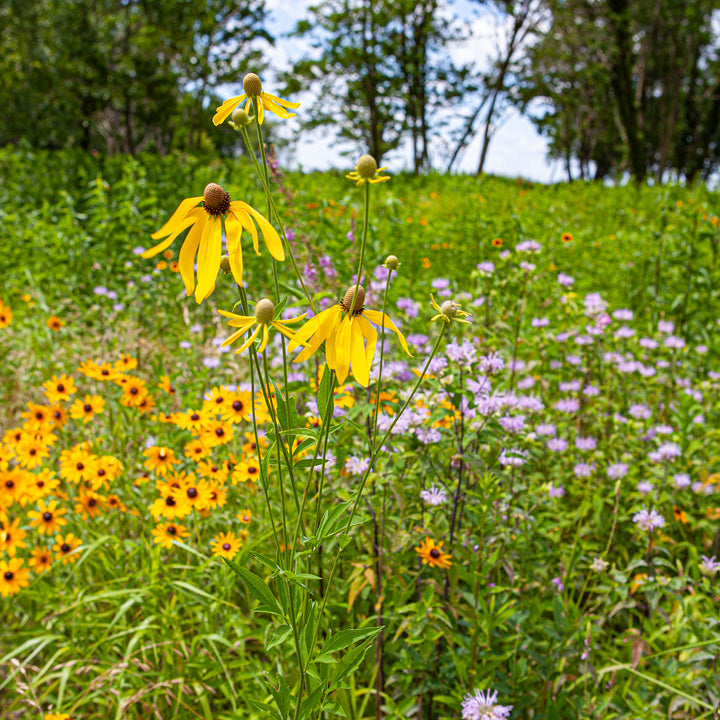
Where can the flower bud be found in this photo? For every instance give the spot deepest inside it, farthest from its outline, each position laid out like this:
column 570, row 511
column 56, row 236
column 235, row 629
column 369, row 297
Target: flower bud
column 449, row 309
column 225, row 263
column 252, row 85
column 265, row 311
column 392, row 263
column 240, row 118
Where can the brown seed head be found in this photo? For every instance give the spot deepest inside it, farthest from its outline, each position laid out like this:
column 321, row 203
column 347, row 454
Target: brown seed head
column 366, row 167
column 265, row 311
column 217, row 201
column 252, row 85
column 359, row 300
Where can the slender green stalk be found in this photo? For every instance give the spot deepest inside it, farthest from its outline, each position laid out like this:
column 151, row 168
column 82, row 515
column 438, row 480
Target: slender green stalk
column 363, row 243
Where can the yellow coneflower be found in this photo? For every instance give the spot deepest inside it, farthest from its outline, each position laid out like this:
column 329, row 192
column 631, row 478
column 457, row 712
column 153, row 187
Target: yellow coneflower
column 206, row 215
column 253, row 89
column 247, row 470
column 245, row 516
column 350, row 339
column 432, row 554
column 367, row 170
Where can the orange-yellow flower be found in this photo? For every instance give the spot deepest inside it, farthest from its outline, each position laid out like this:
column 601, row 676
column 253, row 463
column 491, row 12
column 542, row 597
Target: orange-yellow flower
column 205, row 216
column 432, row 554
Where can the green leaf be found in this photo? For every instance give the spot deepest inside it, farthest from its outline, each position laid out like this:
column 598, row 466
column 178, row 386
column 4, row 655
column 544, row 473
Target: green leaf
column 257, row 588
column 324, row 396
column 350, row 662
column 344, row 639
column 279, row 636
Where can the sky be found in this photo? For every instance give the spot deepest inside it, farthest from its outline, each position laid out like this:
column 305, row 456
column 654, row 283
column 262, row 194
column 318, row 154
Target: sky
column 516, row 148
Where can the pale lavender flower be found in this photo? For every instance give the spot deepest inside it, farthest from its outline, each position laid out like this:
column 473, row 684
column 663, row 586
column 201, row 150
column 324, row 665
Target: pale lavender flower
column 573, row 360
column 185, row 344
column 669, row 451
column 665, row 326
column 408, row 306
column 440, row 283
column 594, row 304
column 433, row 495
column 648, row 343
column 428, row 436
column 584, row 340
column 701, row 349
column 674, row 343
column 681, row 480
column 562, row 337
column 648, row 519
column 290, row 234
column 591, row 391
column 617, row 471
column 709, row 566
column 146, row 278
column 624, row 332
column 585, row 443
column 570, row 386
column 583, row 469
column 529, row 246
column 491, row 364
column 623, row 315
column 555, row 364
column 512, row 424
column 557, row 444
column 663, row 429
column 139, row 250
column 356, row 465
column 639, row 412
column 565, row 280
column 482, row 705
column 526, row 383
column 513, row 457
column 558, row 583
column 464, row 353
column 546, row 429
column 567, row 405
column 100, row 290
column 539, row 322
column 526, row 266
column 211, row 362
column 599, row 565
column 486, row 267
column 556, row 492
column 196, row 328
column 644, row 487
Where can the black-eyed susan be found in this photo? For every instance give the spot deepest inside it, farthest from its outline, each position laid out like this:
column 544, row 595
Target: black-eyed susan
column 194, row 420
column 66, row 548
column 134, row 392
column 160, row 459
column 31, row 452
column 432, row 554
column 42, row 484
column 217, row 432
column 216, row 493
column 196, row 450
column 98, row 371
column 166, row 385
column 77, row 463
column 48, row 518
column 239, row 407
column 40, row 560
column 89, row 504
column 247, row 470
column 55, row 323
column 566, row 237
column 262, row 319
column 497, row 242
column 245, row 516
column 205, row 237
column 12, row 537
column 253, row 89
column 168, row 532
column 37, row 417
column 225, row 545
column 168, row 506
column 125, row 363
column 6, row 316
column 212, row 470
column 87, row 408
column 216, row 398
column 13, row 576
column 196, row 496
column 367, row 170
column 350, row 339
column 59, row 415
column 59, row 388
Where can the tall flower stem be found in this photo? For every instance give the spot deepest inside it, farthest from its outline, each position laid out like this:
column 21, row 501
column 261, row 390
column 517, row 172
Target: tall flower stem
column 363, row 244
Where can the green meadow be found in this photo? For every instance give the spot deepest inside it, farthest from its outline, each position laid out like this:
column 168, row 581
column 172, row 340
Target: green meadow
column 519, row 516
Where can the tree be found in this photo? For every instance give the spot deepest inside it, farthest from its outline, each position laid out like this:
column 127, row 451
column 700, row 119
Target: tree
column 378, row 70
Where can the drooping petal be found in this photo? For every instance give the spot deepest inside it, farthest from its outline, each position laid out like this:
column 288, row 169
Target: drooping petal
column 233, row 231
column 250, row 340
column 265, row 337
column 321, row 325
column 342, row 350
column 270, row 235
column 358, row 360
column 371, row 336
column 239, row 209
column 274, row 107
column 186, row 259
column 224, row 111
column 168, row 241
column 176, row 218
column 242, row 329
column 380, row 319
column 280, row 101
column 208, row 263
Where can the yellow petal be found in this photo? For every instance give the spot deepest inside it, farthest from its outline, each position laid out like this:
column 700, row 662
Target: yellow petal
column 261, row 111
column 270, row 235
column 249, row 341
column 381, row 319
column 186, row 259
column 233, row 230
column 208, row 263
column 240, row 210
column 360, row 369
column 224, row 111
column 280, row 101
column 176, row 218
column 371, row 336
column 274, row 107
column 265, row 337
column 320, row 325
column 240, row 331
column 342, row 350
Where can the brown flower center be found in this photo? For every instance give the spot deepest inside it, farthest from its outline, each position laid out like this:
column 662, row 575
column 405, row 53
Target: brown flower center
column 216, row 200
column 359, row 299
column 435, row 553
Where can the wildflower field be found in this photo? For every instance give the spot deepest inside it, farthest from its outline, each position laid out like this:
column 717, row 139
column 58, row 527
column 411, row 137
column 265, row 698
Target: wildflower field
column 484, row 483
